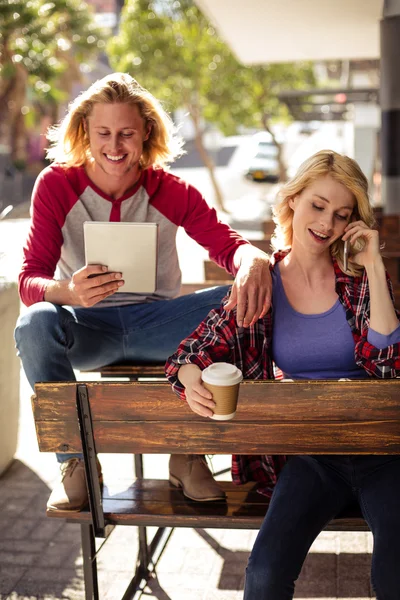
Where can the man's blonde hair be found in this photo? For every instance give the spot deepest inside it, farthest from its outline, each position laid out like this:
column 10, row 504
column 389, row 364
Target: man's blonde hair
column 70, row 142
column 344, row 170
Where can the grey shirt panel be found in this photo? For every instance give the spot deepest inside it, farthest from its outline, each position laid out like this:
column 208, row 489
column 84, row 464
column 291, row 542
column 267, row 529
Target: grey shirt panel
column 93, row 207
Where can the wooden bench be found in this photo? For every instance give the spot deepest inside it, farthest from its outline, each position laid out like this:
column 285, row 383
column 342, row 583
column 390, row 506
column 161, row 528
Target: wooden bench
column 268, row 228
column 215, row 273
column 307, row 417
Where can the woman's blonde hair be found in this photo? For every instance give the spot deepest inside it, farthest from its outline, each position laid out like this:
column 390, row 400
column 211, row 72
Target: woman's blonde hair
column 70, row 142
column 344, row 170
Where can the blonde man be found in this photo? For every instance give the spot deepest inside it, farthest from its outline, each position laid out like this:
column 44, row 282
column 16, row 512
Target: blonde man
column 109, row 156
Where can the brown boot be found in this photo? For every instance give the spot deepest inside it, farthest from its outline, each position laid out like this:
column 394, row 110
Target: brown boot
column 71, row 492
column 191, row 473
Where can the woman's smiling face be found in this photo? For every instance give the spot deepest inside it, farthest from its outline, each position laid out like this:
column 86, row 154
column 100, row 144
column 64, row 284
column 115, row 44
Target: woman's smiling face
column 321, row 213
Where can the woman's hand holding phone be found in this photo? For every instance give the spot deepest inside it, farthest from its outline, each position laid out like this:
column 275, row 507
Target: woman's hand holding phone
column 383, row 318
column 370, row 253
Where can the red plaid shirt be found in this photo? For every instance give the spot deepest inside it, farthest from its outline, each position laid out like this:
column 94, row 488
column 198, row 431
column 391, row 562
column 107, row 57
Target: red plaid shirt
column 218, row 338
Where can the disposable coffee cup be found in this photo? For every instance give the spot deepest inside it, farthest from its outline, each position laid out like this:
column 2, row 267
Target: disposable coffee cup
column 222, row 380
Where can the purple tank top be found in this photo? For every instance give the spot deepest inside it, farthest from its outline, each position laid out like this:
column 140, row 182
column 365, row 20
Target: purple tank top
column 317, row 346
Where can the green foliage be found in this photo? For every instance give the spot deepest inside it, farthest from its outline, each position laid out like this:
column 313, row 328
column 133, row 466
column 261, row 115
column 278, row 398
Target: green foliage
column 172, row 49
column 260, row 87
column 43, row 37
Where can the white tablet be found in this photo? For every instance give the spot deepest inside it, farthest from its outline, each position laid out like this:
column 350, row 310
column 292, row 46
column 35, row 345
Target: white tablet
column 129, row 248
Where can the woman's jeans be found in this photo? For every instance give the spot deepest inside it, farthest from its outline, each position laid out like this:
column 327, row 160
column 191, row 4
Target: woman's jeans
column 53, row 340
column 311, row 491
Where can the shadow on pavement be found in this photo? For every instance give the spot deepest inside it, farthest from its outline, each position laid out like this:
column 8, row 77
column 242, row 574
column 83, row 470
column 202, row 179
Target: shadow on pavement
column 39, row 556
column 323, row 575
column 154, row 587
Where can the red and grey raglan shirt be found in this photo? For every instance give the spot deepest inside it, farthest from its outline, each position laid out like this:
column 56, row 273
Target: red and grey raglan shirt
column 65, row 197
column 218, row 338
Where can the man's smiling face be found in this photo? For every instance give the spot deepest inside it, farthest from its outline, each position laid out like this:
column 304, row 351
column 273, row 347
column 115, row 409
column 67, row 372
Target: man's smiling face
column 116, row 134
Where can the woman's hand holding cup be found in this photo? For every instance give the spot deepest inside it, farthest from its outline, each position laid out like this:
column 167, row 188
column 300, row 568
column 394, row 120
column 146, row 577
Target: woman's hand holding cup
column 222, row 380
column 213, row 392
column 197, row 396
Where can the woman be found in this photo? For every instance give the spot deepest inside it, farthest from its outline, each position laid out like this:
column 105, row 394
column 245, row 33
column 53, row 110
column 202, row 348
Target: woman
column 324, row 323
column 109, row 156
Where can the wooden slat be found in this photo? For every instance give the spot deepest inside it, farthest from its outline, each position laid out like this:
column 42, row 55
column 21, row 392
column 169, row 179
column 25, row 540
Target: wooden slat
column 396, row 292
column 268, row 228
column 212, row 272
column 353, row 437
column 157, row 503
column 263, row 244
column 191, row 288
column 392, row 265
column 215, row 520
column 134, row 371
column 272, row 418
column 378, row 211
column 388, row 225
column 391, row 246
column 161, row 490
column 329, row 400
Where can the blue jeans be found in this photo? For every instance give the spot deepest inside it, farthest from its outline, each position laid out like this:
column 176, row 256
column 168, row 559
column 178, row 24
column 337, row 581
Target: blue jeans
column 53, row 340
column 311, row 491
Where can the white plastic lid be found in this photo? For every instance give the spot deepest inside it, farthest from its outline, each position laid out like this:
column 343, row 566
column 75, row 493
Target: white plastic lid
column 222, row 374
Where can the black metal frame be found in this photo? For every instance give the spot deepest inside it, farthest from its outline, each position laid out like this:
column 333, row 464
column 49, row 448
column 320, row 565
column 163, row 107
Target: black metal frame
column 89, row 455
column 148, row 554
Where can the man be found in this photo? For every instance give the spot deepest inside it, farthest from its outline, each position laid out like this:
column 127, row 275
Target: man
column 109, row 154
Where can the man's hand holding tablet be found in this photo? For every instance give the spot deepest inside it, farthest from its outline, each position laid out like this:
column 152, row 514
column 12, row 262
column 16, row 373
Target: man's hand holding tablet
column 127, row 250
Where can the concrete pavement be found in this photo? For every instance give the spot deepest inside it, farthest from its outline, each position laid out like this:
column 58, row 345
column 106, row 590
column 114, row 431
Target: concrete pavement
column 40, row 558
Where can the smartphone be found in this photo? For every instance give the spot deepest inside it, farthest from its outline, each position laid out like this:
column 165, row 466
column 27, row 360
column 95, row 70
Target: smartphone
column 346, row 255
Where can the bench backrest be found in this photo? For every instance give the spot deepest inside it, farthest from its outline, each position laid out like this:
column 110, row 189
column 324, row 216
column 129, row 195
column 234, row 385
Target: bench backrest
column 310, row 417
column 214, row 273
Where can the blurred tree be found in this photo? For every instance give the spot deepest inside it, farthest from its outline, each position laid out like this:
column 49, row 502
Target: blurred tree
column 254, row 99
column 174, row 52
column 39, row 41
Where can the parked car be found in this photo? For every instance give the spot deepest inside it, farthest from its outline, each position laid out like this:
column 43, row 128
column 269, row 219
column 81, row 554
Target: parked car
column 308, row 127
column 264, row 165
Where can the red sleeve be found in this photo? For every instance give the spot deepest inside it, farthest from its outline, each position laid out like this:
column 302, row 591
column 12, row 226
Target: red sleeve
column 52, row 198
column 183, row 204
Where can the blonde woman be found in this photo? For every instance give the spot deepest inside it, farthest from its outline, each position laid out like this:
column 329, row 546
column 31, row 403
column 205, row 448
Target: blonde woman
column 109, row 156
column 324, row 323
